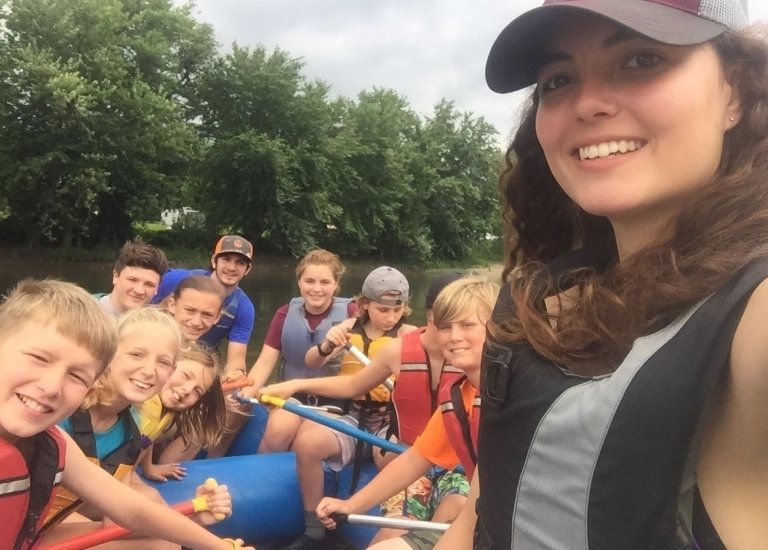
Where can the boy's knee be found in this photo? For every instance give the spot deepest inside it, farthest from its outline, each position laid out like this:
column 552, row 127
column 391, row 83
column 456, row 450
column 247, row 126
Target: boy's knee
column 312, row 445
column 304, row 445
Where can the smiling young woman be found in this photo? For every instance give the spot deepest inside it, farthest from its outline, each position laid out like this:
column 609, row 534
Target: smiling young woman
column 619, row 128
column 295, row 327
column 626, row 361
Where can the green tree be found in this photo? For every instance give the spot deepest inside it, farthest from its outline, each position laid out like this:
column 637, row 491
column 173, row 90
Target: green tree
column 379, row 203
column 463, row 197
column 274, row 149
column 51, row 168
column 94, row 115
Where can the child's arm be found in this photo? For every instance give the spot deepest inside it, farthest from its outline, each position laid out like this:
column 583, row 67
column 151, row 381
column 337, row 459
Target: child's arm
column 385, row 364
column 261, row 369
column 132, row 510
column 177, row 450
column 399, row 474
column 332, row 344
column 159, row 472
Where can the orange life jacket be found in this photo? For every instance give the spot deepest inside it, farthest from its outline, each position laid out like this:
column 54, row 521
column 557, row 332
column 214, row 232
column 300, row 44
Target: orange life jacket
column 413, row 397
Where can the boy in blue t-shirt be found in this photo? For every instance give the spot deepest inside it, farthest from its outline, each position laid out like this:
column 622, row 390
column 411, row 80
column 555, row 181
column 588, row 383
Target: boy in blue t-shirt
column 231, row 261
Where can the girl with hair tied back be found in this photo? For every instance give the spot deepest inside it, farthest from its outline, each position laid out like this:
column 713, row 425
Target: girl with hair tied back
column 296, row 326
column 623, row 400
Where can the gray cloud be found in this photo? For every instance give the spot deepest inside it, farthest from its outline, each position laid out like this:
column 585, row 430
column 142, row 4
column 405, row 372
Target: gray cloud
column 423, row 49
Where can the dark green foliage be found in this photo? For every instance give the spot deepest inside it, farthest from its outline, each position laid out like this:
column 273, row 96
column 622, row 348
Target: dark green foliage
column 94, row 129
column 190, row 238
column 113, row 110
column 367, row 177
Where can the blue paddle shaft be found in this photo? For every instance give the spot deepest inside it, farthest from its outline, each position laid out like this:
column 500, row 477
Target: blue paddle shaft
column 334, row 424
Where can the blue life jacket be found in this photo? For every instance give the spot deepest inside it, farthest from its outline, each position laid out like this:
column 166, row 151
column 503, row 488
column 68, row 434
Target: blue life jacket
column 297, row 338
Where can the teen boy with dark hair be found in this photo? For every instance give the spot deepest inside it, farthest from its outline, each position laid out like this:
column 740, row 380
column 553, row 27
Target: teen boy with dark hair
column 135, row 277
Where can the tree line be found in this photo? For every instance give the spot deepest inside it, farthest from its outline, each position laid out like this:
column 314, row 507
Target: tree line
column 114, row 110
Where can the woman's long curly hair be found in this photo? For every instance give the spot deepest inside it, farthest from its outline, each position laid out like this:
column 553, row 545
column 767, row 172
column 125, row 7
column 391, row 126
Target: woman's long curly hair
column 713, row 237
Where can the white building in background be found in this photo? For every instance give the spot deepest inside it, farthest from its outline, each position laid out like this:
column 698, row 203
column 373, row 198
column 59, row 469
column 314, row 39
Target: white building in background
column 172, row 217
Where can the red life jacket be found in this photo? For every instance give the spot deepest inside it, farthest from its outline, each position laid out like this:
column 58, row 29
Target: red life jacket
column 414, row 399
column 25, row 491
column 461, row 426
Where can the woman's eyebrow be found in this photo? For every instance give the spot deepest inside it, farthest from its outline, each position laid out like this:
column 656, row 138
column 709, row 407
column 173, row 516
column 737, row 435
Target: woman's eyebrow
column 621, row 35
column 548, row 58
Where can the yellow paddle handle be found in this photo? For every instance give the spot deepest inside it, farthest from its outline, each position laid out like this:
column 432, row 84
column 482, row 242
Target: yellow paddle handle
column 272, row 400
column 200, row 504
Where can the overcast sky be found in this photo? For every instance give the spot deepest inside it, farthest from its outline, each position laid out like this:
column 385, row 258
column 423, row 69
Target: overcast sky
column 423, row 49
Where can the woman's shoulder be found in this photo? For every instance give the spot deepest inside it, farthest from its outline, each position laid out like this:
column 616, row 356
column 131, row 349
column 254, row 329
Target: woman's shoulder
column 731, row 469
column 749, row 349
column 282, row 311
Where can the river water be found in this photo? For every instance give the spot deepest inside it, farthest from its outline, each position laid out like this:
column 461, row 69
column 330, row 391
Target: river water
column 270, row 284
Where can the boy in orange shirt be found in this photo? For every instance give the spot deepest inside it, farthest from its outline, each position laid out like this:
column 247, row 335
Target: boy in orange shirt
column 461, row 312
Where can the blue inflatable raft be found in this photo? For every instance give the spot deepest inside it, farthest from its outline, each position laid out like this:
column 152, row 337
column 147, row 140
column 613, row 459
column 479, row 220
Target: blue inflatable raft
column 265, row 491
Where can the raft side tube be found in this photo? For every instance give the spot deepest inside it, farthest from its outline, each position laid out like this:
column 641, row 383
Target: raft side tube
column 358, row 536
column 249, row 436
column 265, row 493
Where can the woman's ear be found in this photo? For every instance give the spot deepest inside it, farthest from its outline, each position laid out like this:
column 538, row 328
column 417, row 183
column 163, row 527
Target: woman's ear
column 733, row 108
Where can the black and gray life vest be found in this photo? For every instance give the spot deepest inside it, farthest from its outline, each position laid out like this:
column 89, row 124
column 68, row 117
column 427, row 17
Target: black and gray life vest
column 599, row 463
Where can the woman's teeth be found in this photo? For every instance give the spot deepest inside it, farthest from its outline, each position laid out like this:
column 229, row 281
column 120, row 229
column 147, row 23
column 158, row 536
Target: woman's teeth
column 605, row 149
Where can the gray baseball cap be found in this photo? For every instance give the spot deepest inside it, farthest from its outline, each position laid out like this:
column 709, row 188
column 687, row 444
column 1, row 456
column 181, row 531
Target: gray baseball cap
column 515, row 57
column 387, row 286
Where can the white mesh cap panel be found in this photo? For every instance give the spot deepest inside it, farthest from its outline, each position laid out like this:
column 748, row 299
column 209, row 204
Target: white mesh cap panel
column 734, row 14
